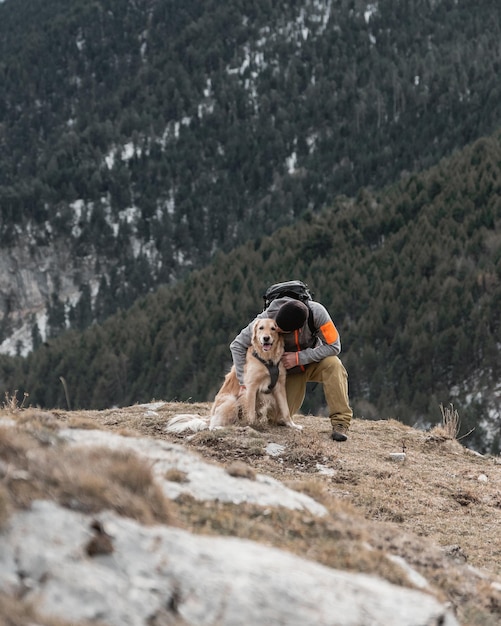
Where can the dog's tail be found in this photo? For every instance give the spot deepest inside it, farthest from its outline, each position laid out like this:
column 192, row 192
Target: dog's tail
column 187, row 421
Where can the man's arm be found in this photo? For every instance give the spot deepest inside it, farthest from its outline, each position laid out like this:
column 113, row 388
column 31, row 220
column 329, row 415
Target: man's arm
column 329, row 343
column 238, row 348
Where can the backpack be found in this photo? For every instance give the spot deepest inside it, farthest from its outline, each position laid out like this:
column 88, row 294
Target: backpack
column 292, row 289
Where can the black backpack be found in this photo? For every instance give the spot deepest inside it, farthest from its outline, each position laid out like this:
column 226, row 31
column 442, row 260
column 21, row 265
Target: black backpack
column 292, row 289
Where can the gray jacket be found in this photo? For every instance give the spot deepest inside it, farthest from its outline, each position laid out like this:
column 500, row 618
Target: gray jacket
column 312, row 348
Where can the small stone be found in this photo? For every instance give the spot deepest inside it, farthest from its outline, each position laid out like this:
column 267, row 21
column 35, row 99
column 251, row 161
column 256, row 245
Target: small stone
column 274, row 449
column 398, row 456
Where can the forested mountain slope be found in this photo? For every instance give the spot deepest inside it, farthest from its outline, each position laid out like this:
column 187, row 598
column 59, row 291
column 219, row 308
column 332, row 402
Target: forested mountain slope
column 411, row 275
column 137, row 138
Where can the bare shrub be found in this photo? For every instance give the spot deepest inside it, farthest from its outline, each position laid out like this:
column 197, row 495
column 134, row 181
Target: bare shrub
column 451, row 423
column 11, row 402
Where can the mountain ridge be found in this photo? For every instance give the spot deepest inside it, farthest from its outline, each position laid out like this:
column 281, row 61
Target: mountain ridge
column 167, row 133
column 408, row 264
column 411, row 276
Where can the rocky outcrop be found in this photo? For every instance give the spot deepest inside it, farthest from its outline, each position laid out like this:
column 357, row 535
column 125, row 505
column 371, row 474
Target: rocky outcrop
column 204, row 481
column 109, row 569
column 157, row 575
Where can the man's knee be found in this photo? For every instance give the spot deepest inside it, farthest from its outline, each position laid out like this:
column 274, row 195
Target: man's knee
column 332, row 366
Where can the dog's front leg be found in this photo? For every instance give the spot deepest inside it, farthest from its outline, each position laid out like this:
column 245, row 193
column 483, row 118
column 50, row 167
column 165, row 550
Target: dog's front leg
column 283, row 410
column 250, row 404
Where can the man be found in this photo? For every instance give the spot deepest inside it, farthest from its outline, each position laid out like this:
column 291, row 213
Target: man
column 311, row 347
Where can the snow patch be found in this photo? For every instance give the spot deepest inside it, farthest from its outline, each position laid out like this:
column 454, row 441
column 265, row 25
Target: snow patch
column 77, row 207
column 291, row 163
column 370, row 10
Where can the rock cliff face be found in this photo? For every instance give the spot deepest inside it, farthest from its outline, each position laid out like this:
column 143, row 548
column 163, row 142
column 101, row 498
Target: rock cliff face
column 29, row 276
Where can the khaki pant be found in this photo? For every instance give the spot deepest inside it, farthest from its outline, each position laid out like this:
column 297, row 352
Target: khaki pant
column 332, row 374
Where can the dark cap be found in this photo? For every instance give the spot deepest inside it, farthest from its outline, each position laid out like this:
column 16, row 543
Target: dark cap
column 291, row 315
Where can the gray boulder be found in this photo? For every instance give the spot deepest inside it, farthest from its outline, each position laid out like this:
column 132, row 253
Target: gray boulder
column 163, row 575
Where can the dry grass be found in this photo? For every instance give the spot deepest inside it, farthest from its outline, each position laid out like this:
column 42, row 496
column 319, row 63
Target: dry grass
column 176, row 476
column 83, row 479
column 450, row 421
column 5, row 506
column 239, row 469
column 431, row 509
column 12, row 404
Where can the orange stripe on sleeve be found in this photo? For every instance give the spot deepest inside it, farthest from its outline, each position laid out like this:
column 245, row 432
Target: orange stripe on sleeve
column 329, row 331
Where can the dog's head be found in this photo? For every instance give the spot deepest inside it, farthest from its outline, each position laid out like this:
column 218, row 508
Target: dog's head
column 266, row 335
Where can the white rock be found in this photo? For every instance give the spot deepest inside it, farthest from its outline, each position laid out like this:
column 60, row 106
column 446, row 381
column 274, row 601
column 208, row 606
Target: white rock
column 325, row 470
column 154, row 406
column 274, row 449
column 205, row 481
column 397, row 456
column 199, row 580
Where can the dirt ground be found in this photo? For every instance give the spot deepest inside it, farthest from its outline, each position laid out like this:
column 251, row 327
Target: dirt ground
column 439, row 509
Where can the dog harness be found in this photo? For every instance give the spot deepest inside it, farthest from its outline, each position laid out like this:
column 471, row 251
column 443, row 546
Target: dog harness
column 272, row 369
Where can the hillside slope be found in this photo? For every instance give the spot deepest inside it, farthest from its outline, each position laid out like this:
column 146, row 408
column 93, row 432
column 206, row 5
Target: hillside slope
column 428, row 522
column 411, row 276
column 140, row 137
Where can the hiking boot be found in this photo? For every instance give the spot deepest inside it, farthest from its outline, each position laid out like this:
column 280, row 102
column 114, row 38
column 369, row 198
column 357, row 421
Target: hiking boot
column 339, row 432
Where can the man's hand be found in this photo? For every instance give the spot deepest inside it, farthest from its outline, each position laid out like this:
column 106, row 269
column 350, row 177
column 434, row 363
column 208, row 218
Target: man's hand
column 290, row 359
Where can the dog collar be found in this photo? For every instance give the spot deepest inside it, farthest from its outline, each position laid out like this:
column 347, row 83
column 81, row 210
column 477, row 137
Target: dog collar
column 272, row 369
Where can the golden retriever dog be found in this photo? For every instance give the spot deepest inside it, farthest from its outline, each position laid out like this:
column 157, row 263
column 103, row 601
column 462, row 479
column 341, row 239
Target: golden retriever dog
column 264, row 379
